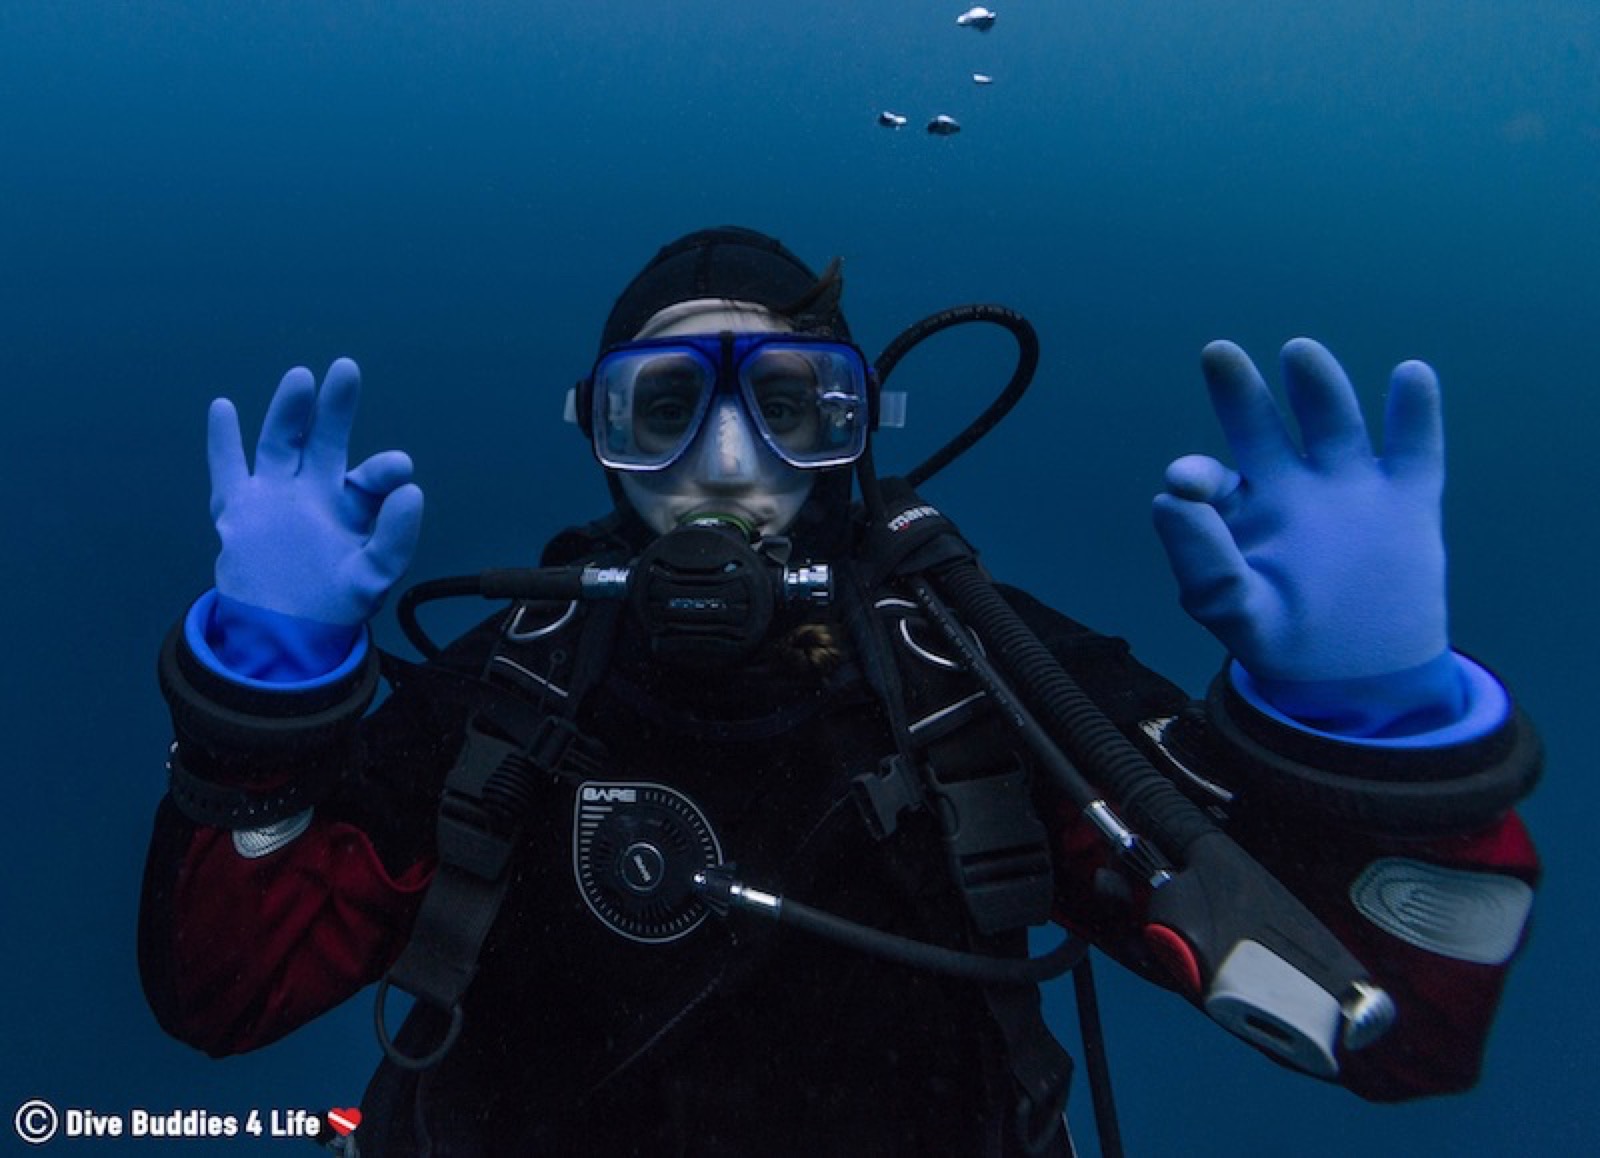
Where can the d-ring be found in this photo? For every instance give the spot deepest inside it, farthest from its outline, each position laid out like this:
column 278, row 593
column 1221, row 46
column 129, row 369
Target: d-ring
column 404, row 1060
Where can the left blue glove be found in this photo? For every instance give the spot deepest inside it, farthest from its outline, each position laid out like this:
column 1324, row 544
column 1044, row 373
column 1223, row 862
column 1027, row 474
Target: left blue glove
column 1323, row 562
column 304, row 535
column 310, row 546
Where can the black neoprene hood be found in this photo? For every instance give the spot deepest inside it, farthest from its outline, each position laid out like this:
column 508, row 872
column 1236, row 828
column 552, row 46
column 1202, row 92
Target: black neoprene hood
column 729, row 262
column 742, row 265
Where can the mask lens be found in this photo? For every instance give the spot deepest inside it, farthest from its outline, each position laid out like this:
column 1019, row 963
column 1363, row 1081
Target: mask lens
column 810, row 400
column 648, row 404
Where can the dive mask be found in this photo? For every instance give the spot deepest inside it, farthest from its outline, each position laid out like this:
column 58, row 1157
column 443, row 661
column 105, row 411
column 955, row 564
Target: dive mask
column 810, row 399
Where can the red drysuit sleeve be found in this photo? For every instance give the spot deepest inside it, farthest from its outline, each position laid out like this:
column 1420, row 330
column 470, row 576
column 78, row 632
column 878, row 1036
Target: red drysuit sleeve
column 238, row 951
column 1391, row 904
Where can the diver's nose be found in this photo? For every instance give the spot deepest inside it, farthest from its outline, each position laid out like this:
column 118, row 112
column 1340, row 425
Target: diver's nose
column 728, row 450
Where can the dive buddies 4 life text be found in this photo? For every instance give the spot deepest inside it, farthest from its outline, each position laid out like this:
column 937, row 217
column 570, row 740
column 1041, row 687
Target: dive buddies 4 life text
column 38, row 1121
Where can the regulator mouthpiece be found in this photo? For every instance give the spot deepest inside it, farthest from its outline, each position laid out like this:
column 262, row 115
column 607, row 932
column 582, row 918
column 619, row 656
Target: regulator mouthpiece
column 720, row 519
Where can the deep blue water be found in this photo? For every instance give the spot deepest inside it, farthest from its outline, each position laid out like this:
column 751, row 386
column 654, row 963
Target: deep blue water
column 195, row 196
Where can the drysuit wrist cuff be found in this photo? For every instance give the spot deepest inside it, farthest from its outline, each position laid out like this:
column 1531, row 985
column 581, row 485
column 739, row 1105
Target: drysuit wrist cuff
column 1449, row 780
column 220, row 711
column 1448, row 700
column 250, row 753
column 268, row 650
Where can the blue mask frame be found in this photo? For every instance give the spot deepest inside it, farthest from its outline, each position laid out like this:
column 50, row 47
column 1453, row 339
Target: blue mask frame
column 813, row 401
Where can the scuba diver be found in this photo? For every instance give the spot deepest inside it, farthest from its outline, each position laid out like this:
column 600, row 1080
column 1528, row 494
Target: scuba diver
column 724, row 835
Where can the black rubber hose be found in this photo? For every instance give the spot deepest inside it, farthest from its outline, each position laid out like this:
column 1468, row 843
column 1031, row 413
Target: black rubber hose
column 1149, row 803
column 1096, row 1061
column 505, row 583
column 933, row 958
column 413, row 597
column 1027, row 362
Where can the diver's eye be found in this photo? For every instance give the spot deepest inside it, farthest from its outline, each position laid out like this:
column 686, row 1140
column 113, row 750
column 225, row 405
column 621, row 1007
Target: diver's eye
column 666, row 394
column 784, row 383
column 783, row 410
column 667, row 414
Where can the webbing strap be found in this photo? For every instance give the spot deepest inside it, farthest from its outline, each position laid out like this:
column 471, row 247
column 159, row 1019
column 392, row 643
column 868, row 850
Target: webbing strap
column 1041, row 1068
column 478, row 831
column 475, row 843
column 511, row 749
column 998, row 849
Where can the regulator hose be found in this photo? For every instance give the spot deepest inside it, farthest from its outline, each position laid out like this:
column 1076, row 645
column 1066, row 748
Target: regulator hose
column 1027, row 339
column 1149, row 801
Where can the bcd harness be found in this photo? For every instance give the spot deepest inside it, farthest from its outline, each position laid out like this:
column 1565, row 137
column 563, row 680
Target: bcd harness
column 952, row 757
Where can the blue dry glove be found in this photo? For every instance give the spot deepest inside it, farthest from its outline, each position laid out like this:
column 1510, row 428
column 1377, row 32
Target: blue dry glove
column 313, row 546
column 1324, row 568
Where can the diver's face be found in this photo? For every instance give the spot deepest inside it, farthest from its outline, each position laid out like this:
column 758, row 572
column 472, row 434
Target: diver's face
column 727, row 470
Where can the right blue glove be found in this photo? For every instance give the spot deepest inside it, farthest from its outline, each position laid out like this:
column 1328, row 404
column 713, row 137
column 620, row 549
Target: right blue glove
column 1321, row 569
column 1325, row 563
column 311, row 544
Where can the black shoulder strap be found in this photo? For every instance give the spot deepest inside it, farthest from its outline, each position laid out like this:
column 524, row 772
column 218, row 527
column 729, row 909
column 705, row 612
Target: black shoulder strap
column 512, row 745
column 997, row 850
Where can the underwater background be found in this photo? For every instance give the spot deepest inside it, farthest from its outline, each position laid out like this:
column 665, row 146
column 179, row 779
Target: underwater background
column 195, row 196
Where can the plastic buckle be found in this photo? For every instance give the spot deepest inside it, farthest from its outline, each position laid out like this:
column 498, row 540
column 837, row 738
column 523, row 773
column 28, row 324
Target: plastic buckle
column 883, row 795
column 998, row 849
